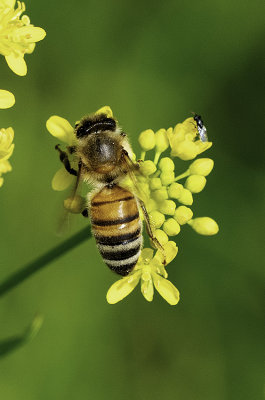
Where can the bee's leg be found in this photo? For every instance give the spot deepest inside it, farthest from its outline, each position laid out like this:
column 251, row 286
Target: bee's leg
column 149, row 229
column 71, row 149
column 129, row 164
column 65, row 160
column 85, row 213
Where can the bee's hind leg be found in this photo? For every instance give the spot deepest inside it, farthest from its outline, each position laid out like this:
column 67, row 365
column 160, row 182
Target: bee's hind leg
column 150, row 232
column 65, row 160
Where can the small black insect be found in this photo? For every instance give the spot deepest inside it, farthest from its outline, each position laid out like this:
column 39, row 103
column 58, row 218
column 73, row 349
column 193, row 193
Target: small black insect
column 202, row 131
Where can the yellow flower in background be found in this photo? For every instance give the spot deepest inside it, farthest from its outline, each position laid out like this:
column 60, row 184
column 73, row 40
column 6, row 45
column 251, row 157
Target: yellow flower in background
column 17, row 35
column 7, row 99
column 6, row 150
column 166, row 199
column 151, row 272
column 6, row 143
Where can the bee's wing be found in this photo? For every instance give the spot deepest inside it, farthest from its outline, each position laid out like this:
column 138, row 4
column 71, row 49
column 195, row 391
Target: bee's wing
column 131, row 168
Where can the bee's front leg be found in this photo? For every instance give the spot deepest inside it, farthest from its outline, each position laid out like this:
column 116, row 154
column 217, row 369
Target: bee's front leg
column 65, row 160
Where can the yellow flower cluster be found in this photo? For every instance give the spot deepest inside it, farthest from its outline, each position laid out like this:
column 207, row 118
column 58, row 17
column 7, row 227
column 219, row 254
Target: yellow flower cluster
column 17, row 35
column 150, row 270
column 7, row 100
column 6, row 150
column 165, row 198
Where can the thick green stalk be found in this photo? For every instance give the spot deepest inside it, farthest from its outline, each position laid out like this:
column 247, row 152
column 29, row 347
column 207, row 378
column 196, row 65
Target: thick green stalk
column 36, row 265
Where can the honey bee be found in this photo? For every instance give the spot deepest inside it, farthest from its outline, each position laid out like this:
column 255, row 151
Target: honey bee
column 103, row 156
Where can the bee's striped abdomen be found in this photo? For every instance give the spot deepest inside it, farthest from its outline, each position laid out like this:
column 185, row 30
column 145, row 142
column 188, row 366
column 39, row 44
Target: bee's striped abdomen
column 117, row 228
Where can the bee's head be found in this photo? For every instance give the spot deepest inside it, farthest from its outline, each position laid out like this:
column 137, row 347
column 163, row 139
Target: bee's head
column 95, row 124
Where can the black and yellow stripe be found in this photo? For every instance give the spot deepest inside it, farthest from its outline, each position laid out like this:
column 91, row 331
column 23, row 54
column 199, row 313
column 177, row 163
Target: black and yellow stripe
column 117, row 228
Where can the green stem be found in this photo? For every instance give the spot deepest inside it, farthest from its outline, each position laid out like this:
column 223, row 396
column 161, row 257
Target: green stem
column 142, row 157
column 31, row 268
column 157, row 155
column 184, row 175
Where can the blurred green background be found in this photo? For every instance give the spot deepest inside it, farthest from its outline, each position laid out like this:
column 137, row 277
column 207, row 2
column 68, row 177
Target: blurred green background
column 153, row 63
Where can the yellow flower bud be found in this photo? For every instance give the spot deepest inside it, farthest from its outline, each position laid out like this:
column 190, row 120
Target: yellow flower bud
column 147, row 167
column 175, row 190
column 195, row 183
column 204, row 226
column 167, row 207
column 147, row 140
column 157, row 218
column 155, row 183
column 160, row 194
column 171, row 227
column 150, row 205
column 144, row 188
column 183, row 215
column 186, row 197
column 166, row 164
column 202, row 166
column 161, row 236
column 161, row 140
column 167, row 177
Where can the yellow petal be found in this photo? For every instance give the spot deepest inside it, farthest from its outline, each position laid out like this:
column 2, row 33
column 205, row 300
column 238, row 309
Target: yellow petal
column 170, row 252
column 30, row 48
column 105, row 110
column 8, row 3
column 75, row 204
column 7, row 99
column 146, row 255
column 147, row 290
column 7, row 153
column 17, row 64
column 122, row 288
column 185, row 150
column 32, row 33
column 5, row 166
column 166, row 289
column 1, row 181
column 202, row 146
column 61, row 129
column 62, row 180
